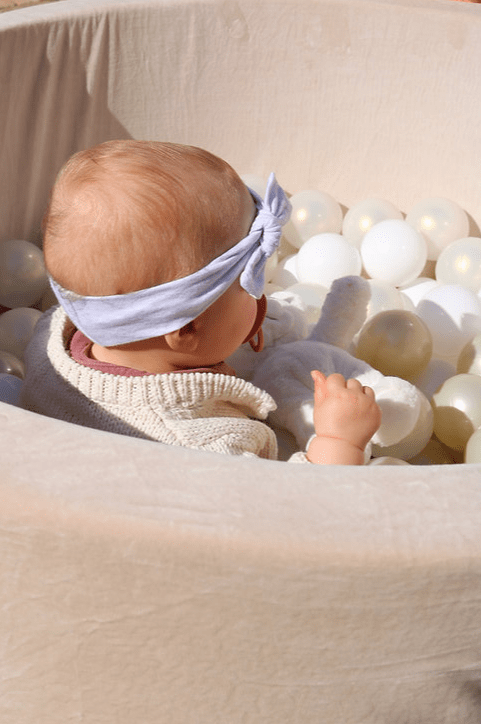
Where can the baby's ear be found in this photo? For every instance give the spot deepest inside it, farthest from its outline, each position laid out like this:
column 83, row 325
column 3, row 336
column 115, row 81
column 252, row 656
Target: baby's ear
column 185, row 339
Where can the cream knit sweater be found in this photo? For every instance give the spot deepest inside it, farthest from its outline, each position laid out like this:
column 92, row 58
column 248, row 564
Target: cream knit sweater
column 201, row 410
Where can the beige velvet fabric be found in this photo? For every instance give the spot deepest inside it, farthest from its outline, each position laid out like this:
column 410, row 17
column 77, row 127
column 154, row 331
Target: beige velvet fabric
column 141, row 583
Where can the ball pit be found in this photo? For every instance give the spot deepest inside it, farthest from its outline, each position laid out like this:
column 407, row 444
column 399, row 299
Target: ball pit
column 144, row 583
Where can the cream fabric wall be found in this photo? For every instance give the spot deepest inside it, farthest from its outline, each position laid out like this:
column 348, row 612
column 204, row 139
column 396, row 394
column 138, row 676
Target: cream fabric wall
column 140, row 583
column 358, row 97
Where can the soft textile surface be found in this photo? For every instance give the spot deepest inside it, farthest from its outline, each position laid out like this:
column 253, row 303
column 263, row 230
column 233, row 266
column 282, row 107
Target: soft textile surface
column 357, row 97
column 140, row 583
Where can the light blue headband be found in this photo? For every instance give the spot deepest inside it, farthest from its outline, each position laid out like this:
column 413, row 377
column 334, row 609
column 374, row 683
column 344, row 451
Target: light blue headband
column 152, row 312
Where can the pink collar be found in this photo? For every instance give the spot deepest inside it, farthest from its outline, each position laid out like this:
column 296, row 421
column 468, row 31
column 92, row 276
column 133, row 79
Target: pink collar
column 80, row 347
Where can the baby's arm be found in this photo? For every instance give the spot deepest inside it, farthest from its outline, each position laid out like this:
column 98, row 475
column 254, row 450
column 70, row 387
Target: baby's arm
column 346, row 416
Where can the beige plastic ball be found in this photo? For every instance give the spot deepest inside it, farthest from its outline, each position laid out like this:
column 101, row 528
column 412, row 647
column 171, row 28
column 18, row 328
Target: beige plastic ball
column 457, row 410
column 11, row 365
column 433, row 454
column 23, row 278
column 313, row 212
column 395, row 342
column 469, row 361
column 460, row 263
column 473, row 448
column 385, row 460
column 16, row 329
column 440, row 221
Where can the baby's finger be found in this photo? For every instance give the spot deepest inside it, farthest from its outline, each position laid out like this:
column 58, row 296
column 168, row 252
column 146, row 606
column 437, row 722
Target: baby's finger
column 319, row 385
column 353, row 384
column 336, row 382
column 369, row 392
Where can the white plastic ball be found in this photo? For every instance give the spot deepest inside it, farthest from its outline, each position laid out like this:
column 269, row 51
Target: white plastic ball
column 364, row 215
column 313, row 296
column 408, row 306
column 440, row 221
column 398, row 420
column 10, row 389
column 285, row 249
column 313, row 212
column 285, row 273
column 416, row 440
column 460, row 263
column 326, row 257
column 417, row 289
column 431, row 378
column 11, row 365
column 384, row 296
column 16, row 329
column 394, row 252
column 23, row 278
column 453, row 316
column 270, row 267
column 469, row 359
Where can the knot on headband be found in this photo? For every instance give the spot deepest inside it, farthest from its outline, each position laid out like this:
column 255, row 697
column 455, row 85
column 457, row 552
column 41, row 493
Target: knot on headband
column 119, row 319
column 273, row 213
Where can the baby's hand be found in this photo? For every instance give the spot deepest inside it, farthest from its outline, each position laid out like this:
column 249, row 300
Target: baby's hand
column 344, row 410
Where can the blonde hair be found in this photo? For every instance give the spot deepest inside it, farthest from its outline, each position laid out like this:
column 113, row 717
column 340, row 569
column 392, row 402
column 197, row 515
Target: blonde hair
column 127, row 215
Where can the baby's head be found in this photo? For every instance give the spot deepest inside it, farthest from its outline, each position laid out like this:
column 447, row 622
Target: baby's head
column 128, row 215
column 158, row 250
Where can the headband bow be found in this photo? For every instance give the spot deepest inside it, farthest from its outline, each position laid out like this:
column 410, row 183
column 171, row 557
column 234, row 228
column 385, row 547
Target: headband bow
column 273, row 213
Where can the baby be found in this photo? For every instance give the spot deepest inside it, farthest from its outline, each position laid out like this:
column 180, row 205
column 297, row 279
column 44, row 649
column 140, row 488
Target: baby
column 156, row 253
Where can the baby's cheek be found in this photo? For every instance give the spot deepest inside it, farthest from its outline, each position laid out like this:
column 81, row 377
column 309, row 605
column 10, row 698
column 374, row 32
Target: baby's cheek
column 252, row 309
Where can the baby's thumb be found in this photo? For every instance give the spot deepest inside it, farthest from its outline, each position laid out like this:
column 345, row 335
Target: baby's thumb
column 319, row 385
